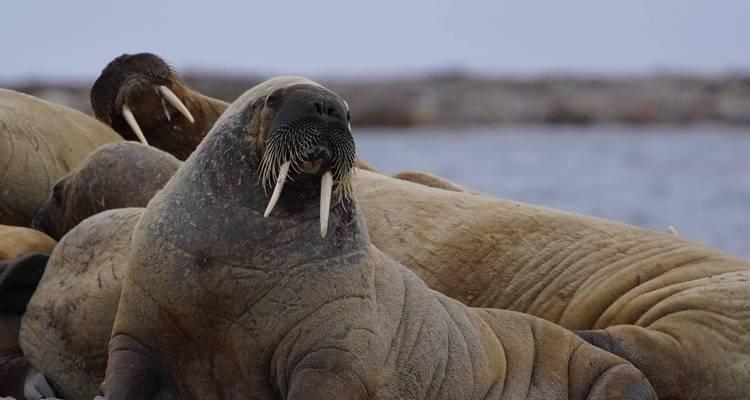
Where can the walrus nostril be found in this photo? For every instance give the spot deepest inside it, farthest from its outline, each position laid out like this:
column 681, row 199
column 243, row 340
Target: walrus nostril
column 319, row 108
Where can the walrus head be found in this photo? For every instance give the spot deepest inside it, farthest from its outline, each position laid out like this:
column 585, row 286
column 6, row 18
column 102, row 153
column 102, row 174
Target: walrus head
column 309, row 138
column 283, row 150
column 138, row 82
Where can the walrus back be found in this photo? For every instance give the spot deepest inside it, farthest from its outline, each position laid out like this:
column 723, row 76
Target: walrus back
column 39, row 142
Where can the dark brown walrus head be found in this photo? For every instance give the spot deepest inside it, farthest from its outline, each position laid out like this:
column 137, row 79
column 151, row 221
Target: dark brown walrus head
column 143, row 98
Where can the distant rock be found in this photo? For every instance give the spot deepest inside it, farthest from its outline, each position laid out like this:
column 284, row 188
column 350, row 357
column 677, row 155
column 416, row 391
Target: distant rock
column 458, row 99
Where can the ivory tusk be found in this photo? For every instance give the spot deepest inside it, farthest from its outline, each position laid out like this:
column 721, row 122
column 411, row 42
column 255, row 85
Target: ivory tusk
column 326, row 185
column 175, row 101
column 130, row 119
column 277, row 190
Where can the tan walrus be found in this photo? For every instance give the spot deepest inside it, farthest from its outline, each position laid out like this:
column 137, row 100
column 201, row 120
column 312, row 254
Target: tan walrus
column 40, row 142
column 231, row 295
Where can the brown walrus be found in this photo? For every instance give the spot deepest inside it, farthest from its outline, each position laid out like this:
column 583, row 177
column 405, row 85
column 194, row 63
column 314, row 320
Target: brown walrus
column 40, row 142
column 142, row 97
column 117, row 175
column 231, row 295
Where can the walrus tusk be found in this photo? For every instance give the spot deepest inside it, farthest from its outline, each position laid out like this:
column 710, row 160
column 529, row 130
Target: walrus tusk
column 130, row 118
column 326, row 185
column 277, row 190
column 175, row 101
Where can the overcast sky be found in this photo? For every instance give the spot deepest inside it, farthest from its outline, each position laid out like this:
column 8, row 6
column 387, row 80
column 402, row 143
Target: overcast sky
column 75, row 39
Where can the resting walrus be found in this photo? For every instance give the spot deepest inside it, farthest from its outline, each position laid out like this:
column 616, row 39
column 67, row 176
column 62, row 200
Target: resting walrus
column 141, row 96
column 40, row 142
column 299, row 305
column 117, row 175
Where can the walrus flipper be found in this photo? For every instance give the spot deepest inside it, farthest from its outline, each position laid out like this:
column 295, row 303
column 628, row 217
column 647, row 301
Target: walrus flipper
column 18, row 280
column 132, row 372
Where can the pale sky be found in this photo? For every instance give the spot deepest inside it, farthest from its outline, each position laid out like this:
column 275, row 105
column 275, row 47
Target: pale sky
column 75, row 39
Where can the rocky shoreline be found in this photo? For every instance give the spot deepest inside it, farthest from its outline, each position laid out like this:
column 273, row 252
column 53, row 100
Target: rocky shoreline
column 463, row 100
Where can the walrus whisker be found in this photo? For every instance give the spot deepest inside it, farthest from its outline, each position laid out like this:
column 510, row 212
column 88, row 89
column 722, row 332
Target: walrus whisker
column 326, row 185
column 277, row 190
column 175, row 101
column 130, row 118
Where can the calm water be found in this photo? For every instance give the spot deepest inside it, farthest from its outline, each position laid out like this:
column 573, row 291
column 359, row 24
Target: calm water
column 694, row 178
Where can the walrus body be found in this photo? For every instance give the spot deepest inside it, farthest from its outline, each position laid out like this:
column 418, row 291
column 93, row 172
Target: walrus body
column 68, row 321
column 673, row 307
column 268, row 308
column 40, row 142
column 117, row 175
column 16, row 241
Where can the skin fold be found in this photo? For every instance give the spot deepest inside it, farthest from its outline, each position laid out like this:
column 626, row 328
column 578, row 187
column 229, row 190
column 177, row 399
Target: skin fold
column 270, row 309
column 675, row 308
column 40, row 142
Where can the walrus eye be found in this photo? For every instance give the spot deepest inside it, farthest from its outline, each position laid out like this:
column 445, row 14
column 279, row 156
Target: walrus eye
column 272, row 100
column 348, row 115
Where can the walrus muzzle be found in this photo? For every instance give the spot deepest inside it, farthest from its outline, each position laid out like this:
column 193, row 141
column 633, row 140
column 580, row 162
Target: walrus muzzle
column 312, row 147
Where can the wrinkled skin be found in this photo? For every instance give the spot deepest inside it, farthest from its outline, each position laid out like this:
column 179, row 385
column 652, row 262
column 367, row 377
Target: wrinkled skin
column 117, row 175
column 673, row 307
column 40, row 142
column 22, row 260
column 270, row 309
column 69, row 319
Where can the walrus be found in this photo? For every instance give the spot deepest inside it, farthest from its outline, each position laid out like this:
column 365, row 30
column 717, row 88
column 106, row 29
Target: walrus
column 117, row 175
column 23, row 256
column 286, row 297
column 142, row 97
column 675, row 308
column 40, row 142
column 497, row 253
